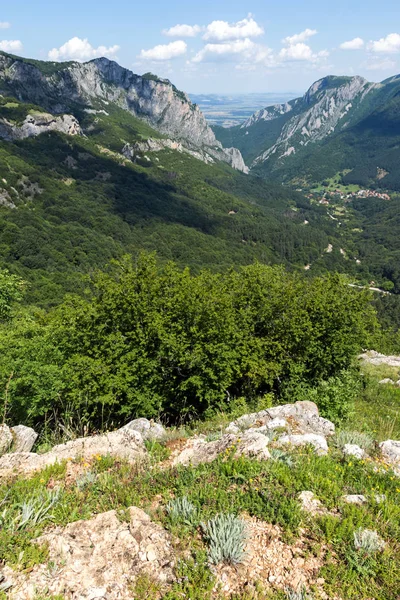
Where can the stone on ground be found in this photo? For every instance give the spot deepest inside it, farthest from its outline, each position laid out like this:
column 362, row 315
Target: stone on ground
column 23, row 438
column 390, row 450
column 354, row 450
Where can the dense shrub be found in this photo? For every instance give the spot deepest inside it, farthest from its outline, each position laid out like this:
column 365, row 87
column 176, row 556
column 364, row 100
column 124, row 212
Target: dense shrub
column 154, row 340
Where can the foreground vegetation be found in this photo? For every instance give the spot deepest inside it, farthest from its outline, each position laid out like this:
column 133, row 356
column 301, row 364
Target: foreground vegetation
column 266, row 490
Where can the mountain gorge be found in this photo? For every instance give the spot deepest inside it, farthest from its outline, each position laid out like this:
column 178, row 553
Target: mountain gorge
column 96, row 162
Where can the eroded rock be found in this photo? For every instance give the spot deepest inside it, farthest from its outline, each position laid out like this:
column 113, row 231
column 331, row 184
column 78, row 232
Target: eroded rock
column 119, row 444
column 298, row 418
column 390, row 450
column 198, row 450
column 99, row 558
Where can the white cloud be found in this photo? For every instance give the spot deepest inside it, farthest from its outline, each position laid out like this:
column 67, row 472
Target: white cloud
column 356, row 44
column 298, row 51
column 381, row 65
column 183, row 31
column 165, row 51
column 388, row 45
column 11, row 45
column 222, row 31
column 299, row 37
column 229, row 49
column 81, row 50
column 5, row 25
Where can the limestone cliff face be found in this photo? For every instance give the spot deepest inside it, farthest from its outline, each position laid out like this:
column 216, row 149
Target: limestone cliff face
column 327, row 107
column 37, row 123
column 102, row 81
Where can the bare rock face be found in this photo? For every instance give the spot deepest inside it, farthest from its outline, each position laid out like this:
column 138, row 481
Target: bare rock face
column 38, row 123
column 102, row 81
column 149, row 430
column 324, row 109
column 99, row 558
column 6, row 439
column 120, row 444
column 300, row 418
column 23, row 438
column 198, row 450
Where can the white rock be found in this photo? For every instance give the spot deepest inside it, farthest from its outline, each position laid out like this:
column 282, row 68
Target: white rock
column 23, row 438
column 148, row 429
column 6, row 438
column 355, row 499
column 310, row 503
column 354, row 450
column 386, row 381
column 318, row 441
column 390, row 450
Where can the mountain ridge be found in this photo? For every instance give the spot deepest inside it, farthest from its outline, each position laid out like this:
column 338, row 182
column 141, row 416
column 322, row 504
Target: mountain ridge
column 60, row 87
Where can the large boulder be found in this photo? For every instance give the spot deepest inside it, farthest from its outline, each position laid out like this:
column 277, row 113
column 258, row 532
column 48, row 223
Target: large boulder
column 24, row 438
column 100, row 558
column 198, row 450
column 6, row 438
column 298, row 418
column 126, row 444
column 148, row 429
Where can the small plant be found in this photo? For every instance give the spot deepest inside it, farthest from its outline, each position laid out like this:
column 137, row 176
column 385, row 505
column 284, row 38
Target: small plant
column 280, row 455
column 226, row 536
column 299, row 594
column 37, row 510
column 368, row 541
column 86, row 480
column 364, row 440
column 182, row 510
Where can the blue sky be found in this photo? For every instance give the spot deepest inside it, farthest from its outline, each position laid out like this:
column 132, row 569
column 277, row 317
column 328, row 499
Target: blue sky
column 226, row 46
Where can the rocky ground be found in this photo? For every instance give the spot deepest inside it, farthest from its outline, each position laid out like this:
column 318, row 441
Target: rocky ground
column 126, row 514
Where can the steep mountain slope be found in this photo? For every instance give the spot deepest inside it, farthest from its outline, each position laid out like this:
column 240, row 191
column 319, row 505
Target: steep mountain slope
column 81, row 187
column 91, row 87
column 340, row 123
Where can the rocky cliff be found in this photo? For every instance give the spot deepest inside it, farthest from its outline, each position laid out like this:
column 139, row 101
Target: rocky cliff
column 327, row 107
column 37, row 123
column 63, row 87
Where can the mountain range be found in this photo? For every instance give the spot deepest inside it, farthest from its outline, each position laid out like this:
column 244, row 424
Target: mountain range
column 97, row 162
column 341, row 123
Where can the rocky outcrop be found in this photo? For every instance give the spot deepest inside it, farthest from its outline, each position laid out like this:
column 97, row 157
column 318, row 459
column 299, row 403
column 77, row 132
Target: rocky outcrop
column 208, row 155
column 37, row 123
column 298, row 418
column 270, row 113
column 124, row 444
column 98, row 559
column 198, row 450
column 95, row 84
column 308, row 439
